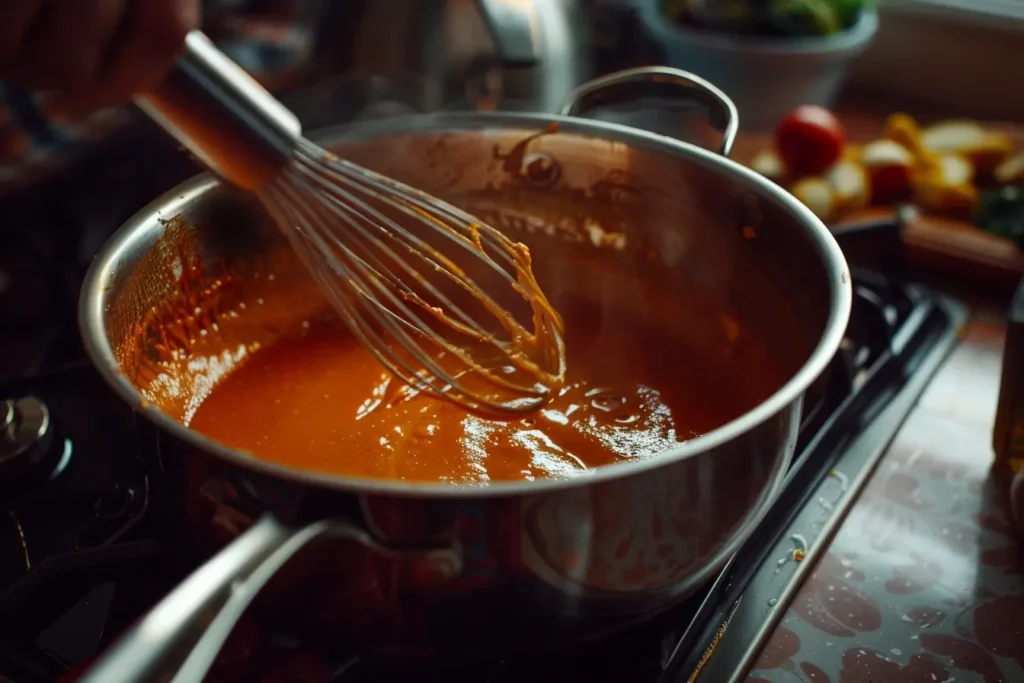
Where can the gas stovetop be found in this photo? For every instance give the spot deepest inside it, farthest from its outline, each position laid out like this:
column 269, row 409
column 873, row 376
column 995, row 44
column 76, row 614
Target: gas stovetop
column 84, row 548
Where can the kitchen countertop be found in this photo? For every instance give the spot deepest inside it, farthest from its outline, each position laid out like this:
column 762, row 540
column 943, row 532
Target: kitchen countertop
column 924, row 580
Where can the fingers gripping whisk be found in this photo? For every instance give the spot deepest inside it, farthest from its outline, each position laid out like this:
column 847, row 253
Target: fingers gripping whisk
column 448, row 304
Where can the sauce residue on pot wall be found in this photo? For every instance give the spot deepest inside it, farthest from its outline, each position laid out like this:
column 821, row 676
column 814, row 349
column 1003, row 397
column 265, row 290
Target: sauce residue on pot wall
column 183, row 321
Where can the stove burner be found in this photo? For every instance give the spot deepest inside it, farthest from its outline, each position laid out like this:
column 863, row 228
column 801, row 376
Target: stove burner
column 29, row 446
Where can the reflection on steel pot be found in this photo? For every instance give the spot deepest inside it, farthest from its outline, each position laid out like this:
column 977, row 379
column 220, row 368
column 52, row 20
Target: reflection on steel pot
column 438, row 569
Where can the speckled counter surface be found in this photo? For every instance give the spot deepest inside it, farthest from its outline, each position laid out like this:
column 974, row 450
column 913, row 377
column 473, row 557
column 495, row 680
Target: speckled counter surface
column 924, row 581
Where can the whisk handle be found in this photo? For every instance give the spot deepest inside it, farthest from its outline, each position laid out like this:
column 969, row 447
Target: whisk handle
column 223, row 116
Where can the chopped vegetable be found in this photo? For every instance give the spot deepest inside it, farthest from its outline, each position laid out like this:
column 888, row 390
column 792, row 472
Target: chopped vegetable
column 946, row 187
column 1011, row 171
column 904, row 130
column 985, row 149
column 809, row 140
column 816, row 194
column 890, row 167
column 851, row 187
column 768, row 164
column 941, row 168
column 1001, row 212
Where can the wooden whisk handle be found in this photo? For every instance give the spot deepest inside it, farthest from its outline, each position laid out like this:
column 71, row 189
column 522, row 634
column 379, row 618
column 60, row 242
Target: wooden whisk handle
column 223, row 116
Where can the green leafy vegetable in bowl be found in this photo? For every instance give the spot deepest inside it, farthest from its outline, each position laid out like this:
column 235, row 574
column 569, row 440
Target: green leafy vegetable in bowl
column 1001, row 212
column 768, row 18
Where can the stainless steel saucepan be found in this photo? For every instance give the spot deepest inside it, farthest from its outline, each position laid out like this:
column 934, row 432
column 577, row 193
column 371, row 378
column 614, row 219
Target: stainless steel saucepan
column 441, row 570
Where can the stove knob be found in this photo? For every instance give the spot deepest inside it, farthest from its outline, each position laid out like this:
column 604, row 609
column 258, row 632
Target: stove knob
column 26, row 435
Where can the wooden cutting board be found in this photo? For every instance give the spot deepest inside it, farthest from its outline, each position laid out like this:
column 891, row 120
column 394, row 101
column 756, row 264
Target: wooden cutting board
column 937, row 243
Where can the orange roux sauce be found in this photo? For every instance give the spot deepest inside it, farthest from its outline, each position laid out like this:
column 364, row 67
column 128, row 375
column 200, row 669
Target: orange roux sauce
column 318, row 401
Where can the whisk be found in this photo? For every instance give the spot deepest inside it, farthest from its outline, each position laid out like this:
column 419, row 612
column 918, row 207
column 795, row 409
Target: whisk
column 440, row 298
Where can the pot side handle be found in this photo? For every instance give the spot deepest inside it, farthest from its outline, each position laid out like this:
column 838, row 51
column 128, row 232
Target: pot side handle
column 173, row 639
column 179, row 639
column 632, row 85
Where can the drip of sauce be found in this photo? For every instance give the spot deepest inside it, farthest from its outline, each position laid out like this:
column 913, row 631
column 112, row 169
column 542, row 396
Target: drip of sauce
column 530, row 363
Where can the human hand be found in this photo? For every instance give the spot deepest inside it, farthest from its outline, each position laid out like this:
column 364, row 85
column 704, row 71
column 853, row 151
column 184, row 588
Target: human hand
column 103, row 51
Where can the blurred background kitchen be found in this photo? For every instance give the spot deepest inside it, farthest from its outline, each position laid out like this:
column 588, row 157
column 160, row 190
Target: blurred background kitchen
column 922, row 106
column 347, row 59
column 340, row 60
column 64, row 188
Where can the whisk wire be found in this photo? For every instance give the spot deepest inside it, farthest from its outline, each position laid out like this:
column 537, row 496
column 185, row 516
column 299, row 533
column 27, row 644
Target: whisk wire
column 377, row 270
column 389, row 257
column 364, row 333
column 424, row 251
column 360, row 263
column 411, row 322
column 342, row 222
column 348, row 202
column 449, row 218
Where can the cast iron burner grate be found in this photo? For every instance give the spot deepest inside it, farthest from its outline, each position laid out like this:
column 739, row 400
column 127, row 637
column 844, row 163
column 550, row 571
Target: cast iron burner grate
column 83, row 552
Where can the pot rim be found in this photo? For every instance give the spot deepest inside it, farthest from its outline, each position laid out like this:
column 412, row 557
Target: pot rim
column 147, row 220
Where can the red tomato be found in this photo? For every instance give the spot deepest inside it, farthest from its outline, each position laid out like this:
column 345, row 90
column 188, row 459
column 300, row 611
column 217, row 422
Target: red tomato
column 809, row 140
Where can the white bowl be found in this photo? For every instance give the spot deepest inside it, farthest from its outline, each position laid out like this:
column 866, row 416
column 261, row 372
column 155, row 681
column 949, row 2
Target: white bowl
column 765, row 77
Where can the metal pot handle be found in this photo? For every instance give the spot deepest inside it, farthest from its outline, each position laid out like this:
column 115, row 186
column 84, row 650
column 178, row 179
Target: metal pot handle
column 180, row 638
column 633, row 84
